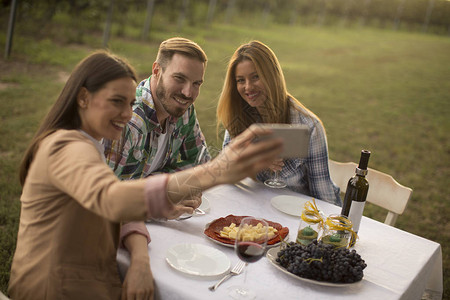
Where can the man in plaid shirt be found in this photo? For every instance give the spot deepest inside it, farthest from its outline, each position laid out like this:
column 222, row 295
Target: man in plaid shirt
column 164, row 134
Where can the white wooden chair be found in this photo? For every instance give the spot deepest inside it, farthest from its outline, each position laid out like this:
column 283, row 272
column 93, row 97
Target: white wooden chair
column 384, row 191
column 3, row 297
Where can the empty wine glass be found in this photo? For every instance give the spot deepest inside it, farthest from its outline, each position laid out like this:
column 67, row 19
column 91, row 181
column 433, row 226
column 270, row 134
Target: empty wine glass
column 250, row 245
column 276, row 182
column 201, row 158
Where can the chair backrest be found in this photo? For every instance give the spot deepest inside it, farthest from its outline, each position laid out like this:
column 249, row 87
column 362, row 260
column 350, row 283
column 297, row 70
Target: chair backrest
column 3, row 297
column 384, row 191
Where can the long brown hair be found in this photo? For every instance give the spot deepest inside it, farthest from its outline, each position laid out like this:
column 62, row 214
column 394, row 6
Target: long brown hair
column 92, row 73
column 234, row 113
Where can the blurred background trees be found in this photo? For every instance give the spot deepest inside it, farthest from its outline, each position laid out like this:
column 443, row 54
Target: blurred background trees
column 138, row 18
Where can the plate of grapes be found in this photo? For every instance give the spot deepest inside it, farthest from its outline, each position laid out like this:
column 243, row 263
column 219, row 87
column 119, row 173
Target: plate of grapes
column 318, row 263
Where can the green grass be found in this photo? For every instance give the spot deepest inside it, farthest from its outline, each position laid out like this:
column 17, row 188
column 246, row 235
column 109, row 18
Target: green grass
column 373, row 89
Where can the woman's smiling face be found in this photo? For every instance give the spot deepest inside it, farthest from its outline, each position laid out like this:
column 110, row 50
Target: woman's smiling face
column 249, row 85
column 105, row 113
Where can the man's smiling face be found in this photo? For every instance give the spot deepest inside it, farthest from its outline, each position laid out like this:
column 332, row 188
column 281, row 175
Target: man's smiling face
column 179, row 84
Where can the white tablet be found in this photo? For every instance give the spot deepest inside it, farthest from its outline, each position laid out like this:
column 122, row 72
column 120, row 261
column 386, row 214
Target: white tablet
column 295, row 138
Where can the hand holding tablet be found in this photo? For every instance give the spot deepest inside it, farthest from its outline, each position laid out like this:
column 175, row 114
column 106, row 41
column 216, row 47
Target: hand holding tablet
column 295, row 138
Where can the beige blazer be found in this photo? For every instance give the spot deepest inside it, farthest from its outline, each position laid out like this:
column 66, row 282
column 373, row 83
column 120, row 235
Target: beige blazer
column 72, row 206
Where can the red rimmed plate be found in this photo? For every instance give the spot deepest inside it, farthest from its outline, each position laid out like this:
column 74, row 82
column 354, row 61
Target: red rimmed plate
column 212, row 230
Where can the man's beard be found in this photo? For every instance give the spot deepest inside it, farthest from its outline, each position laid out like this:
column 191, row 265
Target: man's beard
column 164, row 99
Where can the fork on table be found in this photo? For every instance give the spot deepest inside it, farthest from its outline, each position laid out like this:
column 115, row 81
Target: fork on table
column 197, row 212
column 237, row 269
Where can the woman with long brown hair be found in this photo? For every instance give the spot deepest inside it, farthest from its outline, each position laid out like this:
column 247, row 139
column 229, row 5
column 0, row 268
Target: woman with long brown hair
column 73, row 205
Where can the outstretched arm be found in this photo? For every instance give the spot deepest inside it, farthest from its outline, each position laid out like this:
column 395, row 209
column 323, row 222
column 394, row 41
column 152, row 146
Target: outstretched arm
column 242, row 158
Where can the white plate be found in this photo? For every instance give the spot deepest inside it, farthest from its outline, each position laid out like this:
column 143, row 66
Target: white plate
column 290, row 205
column 272, row 256
column 197, row 259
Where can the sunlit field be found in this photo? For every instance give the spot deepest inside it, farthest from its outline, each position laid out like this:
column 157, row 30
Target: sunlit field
column 374, row 89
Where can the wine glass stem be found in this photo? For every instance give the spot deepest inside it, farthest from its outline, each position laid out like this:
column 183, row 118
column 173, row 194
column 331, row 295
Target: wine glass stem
column 200, row 155
column 245, row 275
column 275, row 176
column 243, row 291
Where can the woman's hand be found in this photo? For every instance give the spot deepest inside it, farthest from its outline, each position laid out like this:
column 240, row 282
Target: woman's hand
column 245, row 157
column 138, row 283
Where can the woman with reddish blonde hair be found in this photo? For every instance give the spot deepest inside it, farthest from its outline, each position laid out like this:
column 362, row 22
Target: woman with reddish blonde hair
column 255, row 91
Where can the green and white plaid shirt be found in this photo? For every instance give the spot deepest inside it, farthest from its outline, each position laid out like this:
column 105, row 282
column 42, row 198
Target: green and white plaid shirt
column 140, row 140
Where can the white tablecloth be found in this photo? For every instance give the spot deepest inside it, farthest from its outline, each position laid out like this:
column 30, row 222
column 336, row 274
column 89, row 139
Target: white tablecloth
column 400, row 265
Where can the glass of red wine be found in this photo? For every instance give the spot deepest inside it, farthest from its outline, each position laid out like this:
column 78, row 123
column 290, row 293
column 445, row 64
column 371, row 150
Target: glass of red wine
column 250, row 245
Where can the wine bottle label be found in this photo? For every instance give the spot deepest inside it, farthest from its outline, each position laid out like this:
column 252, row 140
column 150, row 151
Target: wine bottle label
column 355, row 214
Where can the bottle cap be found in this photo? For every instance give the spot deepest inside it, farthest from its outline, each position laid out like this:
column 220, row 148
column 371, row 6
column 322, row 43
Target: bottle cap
column 364, row 160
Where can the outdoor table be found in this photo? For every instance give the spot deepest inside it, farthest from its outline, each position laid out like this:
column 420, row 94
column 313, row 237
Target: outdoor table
column 400, row 265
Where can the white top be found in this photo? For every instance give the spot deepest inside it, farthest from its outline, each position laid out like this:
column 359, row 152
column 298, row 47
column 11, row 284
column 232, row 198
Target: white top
column 163, row 142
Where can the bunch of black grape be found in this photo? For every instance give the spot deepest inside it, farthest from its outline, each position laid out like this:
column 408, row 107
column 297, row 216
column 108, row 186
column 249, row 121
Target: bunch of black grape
column 322, row 262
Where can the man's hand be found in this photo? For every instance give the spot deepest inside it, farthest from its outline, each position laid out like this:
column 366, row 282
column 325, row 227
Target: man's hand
column 186, row 206
column 277, row 165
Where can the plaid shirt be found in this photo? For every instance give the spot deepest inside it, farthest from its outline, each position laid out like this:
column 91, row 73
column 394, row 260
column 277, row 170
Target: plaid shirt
column 141, row 140
column 310, row 175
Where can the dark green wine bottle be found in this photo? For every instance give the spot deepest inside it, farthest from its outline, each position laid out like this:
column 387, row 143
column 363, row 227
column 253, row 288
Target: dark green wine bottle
column 356, row 193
